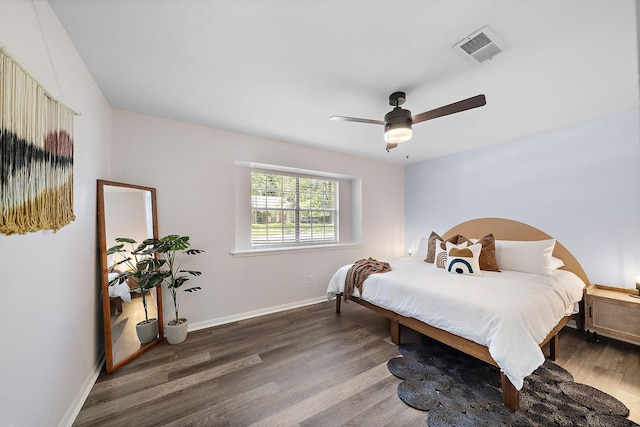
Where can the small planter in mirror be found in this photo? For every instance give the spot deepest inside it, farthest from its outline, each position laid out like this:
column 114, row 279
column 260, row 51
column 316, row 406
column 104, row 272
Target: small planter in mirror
column 147, row 331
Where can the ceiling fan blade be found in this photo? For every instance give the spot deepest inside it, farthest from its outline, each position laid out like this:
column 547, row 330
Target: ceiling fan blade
column 355, row 119
column 390, row 146
column 456, row 107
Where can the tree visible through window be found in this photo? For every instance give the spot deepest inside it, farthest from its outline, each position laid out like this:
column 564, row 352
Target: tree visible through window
column 292, row 210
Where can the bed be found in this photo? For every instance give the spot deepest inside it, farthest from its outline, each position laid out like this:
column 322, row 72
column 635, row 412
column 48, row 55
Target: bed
column 479, row 314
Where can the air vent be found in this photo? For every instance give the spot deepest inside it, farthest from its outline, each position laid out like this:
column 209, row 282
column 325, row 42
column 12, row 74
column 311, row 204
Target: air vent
column 481, row 45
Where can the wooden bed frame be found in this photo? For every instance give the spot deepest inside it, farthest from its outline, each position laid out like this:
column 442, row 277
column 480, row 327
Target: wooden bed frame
column 502, row 229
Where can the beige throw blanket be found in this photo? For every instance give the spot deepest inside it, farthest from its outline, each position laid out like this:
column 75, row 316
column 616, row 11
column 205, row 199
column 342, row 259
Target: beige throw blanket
column 359, row 271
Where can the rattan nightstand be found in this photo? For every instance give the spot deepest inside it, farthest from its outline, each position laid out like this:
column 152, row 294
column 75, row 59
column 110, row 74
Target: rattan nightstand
column 613, row 312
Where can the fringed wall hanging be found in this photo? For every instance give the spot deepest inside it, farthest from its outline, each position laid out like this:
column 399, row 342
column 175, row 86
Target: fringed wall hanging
column 36, row 154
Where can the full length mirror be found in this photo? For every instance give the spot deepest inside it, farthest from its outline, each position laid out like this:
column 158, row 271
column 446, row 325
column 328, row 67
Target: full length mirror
column 127, row 211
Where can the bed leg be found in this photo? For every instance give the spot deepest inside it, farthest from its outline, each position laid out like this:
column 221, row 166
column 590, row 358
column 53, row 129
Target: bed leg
column 510, row 395
column 338, row 302
column 580, row 318
column 395, row 332
column 553, row 347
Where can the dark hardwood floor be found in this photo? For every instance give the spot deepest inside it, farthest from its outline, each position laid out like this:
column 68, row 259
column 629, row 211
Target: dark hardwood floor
column 303, row 367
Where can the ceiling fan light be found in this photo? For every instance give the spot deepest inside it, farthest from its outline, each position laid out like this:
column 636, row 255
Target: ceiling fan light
column 397, row 134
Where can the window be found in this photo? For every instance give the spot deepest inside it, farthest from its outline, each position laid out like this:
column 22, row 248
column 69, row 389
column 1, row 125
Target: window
column 269, row 198
column 289, row 210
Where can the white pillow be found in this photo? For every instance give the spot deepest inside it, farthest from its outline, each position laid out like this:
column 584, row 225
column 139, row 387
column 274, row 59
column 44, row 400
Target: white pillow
column 556, row 263
column 463, row 259
column 421, row 252
column 526, row 256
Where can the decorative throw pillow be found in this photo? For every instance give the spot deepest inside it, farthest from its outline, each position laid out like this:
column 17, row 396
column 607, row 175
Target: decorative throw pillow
column 431, row 245
column 441, row 254
column 488, row 254
column 463, row 259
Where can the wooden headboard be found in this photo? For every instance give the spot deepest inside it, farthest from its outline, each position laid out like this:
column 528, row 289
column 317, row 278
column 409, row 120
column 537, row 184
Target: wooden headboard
column 507, row 229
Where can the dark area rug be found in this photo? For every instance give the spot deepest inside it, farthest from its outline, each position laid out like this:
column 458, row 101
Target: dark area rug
column 459, row 390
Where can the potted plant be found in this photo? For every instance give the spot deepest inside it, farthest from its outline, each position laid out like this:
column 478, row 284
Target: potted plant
column 142, row 270
column 170, row 249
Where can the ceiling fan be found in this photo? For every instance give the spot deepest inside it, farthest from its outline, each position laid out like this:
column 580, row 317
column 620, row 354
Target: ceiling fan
column 397, row 122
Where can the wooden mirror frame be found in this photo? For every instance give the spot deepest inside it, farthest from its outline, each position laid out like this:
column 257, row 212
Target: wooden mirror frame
column 112, row 365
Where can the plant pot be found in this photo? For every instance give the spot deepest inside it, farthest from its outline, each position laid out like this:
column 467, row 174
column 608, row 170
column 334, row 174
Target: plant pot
column 147, row 330
column 176, row 331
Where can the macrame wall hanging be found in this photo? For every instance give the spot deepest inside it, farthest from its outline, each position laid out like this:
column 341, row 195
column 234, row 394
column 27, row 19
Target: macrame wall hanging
column 36, row 154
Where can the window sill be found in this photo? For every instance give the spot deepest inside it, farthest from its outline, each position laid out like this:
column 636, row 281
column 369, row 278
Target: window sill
column 293, row 249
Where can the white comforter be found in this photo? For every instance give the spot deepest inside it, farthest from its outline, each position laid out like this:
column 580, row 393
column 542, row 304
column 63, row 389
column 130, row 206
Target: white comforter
column 509, row 312
column 121, row 290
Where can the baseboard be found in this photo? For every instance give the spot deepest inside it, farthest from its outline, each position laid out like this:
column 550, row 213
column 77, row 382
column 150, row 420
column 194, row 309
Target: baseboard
column 255, row 313
column 81, row 397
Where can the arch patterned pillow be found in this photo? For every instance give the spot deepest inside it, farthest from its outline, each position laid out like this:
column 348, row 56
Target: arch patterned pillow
column 463, row 259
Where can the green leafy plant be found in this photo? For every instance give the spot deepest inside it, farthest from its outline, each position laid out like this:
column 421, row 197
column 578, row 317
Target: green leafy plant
column 171, row 249
column 138, row 265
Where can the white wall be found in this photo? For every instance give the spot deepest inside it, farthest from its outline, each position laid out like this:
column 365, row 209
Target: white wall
column 51, row 327
column 193, row 169
column 580, row 184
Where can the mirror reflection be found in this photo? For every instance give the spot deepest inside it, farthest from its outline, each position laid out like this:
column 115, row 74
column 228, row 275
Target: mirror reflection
column 132, row 312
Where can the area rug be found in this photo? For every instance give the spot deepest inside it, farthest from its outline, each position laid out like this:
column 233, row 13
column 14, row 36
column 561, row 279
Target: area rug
column 458, row 390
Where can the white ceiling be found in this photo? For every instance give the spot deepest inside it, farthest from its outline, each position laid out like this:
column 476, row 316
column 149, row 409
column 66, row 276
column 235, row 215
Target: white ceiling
column 280, row 68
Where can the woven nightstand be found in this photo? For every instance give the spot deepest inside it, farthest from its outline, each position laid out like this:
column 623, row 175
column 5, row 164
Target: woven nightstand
column 613, row 312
